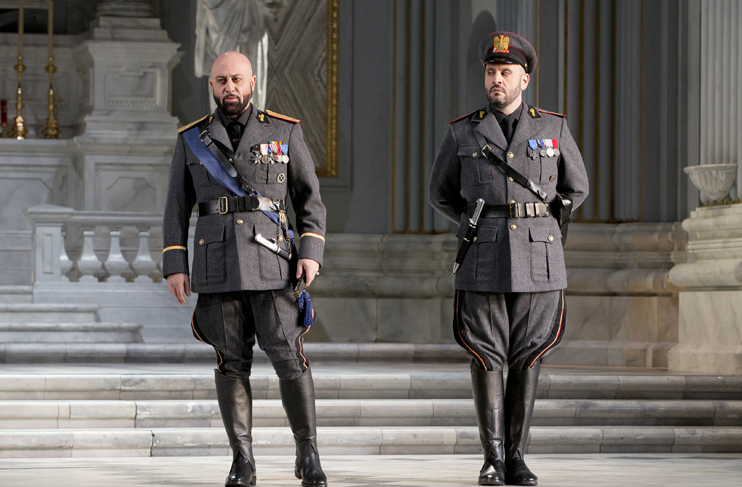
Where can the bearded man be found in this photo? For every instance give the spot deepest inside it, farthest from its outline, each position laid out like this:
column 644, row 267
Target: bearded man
column 238, row 165
column 509, row 302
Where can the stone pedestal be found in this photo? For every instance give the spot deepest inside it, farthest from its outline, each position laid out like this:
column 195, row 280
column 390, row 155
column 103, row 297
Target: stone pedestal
column 129, row 135
column 710, row 321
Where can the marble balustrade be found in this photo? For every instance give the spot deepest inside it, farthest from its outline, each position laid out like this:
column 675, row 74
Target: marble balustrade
column 86, row 246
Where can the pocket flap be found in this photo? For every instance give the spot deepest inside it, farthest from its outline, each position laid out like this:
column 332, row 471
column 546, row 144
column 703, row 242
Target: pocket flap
column 539, row 234
column 469, row 151
column 209, row 234
column 487, row 235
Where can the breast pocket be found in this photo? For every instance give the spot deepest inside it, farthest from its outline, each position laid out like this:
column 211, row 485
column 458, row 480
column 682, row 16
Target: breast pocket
column 199, row 174
column 549, row 169
column 540, row 242
column 475, row 168
column 210, row 258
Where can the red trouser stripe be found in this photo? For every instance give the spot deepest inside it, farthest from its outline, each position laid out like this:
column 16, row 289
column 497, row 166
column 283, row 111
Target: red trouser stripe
column 195, row 333
column 556, row 338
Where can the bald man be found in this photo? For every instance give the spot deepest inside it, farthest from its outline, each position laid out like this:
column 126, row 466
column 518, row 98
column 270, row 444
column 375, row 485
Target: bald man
column 239, row 165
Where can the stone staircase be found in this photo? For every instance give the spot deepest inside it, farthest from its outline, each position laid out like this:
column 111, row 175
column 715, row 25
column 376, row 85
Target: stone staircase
column 362, row 408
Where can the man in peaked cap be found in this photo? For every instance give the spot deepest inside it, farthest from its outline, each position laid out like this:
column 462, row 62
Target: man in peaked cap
column 238, row 165
column 509, row 302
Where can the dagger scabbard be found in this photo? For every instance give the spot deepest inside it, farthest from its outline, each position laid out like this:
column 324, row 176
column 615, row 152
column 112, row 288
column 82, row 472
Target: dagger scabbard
column 470, row 235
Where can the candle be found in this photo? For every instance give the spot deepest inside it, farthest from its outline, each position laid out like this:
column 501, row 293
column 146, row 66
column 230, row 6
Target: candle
column 51, row 28
column 20, row 29
column 3, row 112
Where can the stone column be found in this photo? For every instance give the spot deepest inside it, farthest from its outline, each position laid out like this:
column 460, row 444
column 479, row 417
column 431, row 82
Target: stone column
column 710, row 322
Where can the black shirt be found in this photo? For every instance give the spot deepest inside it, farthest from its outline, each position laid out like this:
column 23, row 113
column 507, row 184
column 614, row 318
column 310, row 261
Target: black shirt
column 505, row 120
column 235, row 127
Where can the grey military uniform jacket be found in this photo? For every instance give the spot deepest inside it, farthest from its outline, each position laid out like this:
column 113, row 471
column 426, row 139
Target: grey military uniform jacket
column 225, row 256
column 509, row 255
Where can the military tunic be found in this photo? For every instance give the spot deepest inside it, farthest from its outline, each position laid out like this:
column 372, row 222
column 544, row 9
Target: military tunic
column 243, row 287
column 515, row 271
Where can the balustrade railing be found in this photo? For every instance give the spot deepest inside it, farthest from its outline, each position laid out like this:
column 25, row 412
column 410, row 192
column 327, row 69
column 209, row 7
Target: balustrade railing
column 95, row 246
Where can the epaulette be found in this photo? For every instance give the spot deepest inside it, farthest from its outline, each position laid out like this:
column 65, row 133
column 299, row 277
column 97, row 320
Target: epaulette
column 186, row 127
column 467, row 115
column 552, row 113
column 281, row 117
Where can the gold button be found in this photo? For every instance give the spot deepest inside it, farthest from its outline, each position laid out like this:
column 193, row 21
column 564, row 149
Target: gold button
column 201, row 242
column 550, row 238
column 281, row 178
column 510, row 155
column 511, row 179
column 231, row 160
column 280, row 238
column 240, row 222
column 552, row 178
column 512, row 202
column 513, row 227
column 475, row 239
column 474, row 154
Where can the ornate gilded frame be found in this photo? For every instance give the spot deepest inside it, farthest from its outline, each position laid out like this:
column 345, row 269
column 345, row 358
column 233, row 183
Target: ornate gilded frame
column 330, row 169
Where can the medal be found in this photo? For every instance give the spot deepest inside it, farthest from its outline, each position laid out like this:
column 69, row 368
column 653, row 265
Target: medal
column 556, row 152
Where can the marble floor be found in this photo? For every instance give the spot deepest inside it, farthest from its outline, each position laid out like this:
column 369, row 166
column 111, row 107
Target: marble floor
column 677, row 470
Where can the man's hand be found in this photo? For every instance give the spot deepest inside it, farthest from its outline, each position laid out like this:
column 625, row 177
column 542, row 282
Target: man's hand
column 176, row 283
column 309, row 267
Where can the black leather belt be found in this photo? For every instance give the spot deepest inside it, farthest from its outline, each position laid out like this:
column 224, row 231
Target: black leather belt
column 232, row 204
column 513, row 210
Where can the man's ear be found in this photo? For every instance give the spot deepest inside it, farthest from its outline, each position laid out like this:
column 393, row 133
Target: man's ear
column 524, row 81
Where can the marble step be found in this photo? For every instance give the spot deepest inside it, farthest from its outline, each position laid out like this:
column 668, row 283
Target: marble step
column 19, row 312
column 366, row 412
column 345, row 381
column 77, row 333
column 366, row 440
column 16, row 294
column 199, row 352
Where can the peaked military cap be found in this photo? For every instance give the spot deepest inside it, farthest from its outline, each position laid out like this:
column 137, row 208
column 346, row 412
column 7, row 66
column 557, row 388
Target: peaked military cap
column 507, row 48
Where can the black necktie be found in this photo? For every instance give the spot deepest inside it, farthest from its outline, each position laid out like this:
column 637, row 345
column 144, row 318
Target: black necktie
column 508, row 127
column 234, row 130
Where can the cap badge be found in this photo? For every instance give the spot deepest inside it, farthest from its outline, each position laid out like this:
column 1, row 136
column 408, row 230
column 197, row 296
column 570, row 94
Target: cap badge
column 501, row 43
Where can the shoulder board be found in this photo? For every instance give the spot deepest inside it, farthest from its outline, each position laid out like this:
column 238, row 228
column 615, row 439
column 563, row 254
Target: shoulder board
column 186, row 127
column 281, row 117
column 469, row 115
column 552, row 113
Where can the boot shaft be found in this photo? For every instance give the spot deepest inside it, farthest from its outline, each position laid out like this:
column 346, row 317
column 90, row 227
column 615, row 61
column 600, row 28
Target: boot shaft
column 520, row 396
column 487, row 389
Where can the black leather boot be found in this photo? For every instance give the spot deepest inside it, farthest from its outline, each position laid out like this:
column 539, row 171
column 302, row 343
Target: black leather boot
column 235, row 404
column 488, row 402
column 520, row 396
column 297, row 396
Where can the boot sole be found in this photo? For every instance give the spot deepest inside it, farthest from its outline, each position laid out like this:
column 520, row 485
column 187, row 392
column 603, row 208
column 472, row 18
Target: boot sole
column 530, row 482
column 491, row 482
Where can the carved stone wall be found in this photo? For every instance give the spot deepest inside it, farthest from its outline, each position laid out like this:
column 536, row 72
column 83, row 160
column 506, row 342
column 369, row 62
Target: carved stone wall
column 297, row 67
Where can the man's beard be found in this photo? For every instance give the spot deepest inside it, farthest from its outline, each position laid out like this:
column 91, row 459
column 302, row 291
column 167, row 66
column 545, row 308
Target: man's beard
column 510, row 97
column 233, row 109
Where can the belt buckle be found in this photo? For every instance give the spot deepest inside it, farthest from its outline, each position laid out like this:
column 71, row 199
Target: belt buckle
column 514, row 210
column 225, row 205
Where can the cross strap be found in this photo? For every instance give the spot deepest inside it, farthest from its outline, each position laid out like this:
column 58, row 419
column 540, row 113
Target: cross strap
column 508, row 169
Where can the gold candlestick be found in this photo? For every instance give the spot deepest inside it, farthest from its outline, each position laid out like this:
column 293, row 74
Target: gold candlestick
column 20, row 131
column 51, row 127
